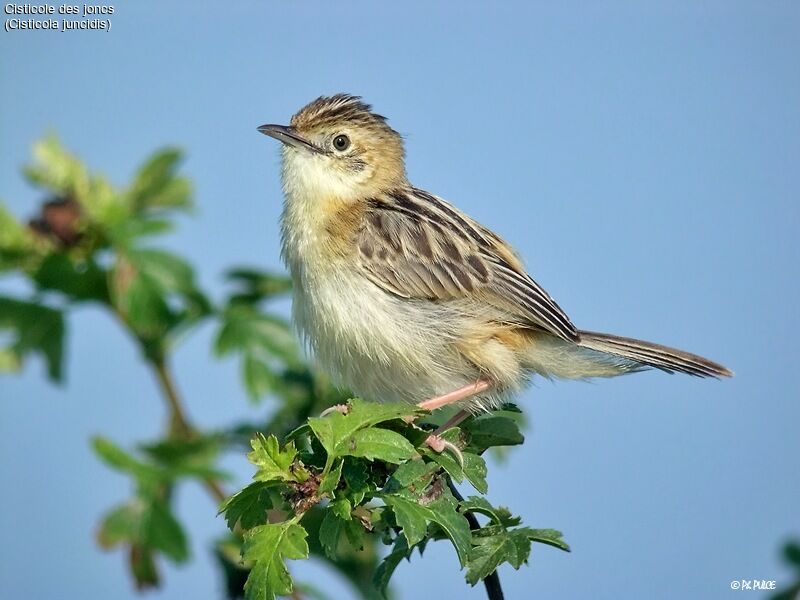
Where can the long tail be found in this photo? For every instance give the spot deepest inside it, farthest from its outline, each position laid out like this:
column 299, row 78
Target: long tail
column 606, row 355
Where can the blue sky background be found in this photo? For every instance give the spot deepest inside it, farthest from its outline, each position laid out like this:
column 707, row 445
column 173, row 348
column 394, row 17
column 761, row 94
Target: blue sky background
column 642, row 157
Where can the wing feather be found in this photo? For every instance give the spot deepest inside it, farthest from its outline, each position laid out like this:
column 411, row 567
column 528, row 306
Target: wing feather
column 416, row 245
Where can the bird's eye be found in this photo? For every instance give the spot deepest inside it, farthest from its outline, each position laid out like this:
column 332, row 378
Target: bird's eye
column 341, row 142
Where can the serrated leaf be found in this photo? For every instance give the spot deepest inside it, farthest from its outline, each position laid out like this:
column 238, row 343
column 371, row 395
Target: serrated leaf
column 414, row 475
column 248, row 506
column 411, row 517
column 331, row 479
column 474, row 469
column 455, row 525
column 334, row 524
column 374, row 443
column 551, row 537
column 413, row 513
column 268, row 546
column 499, row 515
column 356, row 478
column 274, row 463
column 490, row 553
column 335, row 430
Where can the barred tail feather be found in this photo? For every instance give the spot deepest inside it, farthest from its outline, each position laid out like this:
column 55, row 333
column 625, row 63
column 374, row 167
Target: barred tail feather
column 648, row 354
column 605, row 355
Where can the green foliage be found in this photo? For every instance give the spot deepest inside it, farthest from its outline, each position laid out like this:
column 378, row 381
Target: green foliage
column 34, row 328
column 336, row 487
column 368, row 471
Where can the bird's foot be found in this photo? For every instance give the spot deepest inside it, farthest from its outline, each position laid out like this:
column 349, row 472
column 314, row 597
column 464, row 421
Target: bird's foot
column 438, row 444
column 340, row 408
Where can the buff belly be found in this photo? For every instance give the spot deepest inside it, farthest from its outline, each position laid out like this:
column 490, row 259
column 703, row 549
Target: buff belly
column 382, row 347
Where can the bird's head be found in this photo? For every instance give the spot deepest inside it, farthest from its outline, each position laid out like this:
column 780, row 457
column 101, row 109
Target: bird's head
column 336, row 146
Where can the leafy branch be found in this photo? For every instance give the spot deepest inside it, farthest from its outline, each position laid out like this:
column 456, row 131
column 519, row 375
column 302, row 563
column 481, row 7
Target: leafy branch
column 371, row 475
column 337, row 487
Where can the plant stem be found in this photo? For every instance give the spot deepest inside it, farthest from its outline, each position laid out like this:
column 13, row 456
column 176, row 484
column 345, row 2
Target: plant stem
column 494, row 590
column 179, row 424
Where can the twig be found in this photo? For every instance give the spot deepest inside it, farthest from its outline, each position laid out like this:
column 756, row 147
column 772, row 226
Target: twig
column 180, row 426
column 492, row 581
column 179, row 422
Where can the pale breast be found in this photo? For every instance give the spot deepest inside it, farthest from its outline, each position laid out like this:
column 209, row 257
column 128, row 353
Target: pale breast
column 382, row 347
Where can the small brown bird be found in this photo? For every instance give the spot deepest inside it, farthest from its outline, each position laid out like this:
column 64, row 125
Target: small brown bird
column 405, row 298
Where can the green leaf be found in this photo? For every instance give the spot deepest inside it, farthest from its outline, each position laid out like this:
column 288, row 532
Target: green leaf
column 246, row 330
column 474, row 469
column 268, row 546
column 258, row 377
column 140, row 300
column 116, row 458
column 146, row 522
column 411, row 517
column 169, row 272
column 490, row 553
column 455, row 525
column 500, row 515
column 248, row 506
column 17, row 245
column 57, row 170
column 35, row 328
column 331, row 479
column 333, row 526
column 257, row 285
column 273, row 463
column 414, row 475
column 495, row 545
column 374, row 443
column 356, row 478
column 492, row 430
column 155, row 184
column 412, row 513
column 335, row 431
column 164, row 533
column 80, row 282
column 551, row 537
column 387, row 567
column 120, row 525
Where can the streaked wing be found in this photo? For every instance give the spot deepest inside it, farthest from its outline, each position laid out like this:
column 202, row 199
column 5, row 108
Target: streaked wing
column 416, row 245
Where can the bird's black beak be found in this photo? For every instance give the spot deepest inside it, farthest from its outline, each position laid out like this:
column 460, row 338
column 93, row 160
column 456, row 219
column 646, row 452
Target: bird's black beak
column 288, row 135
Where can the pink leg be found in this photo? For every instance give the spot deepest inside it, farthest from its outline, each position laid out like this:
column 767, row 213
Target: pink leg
column 434, row 440
column 438, row 444
column 461, row 393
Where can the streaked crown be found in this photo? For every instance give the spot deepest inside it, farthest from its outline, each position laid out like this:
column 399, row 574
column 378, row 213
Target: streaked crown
column 356, row 147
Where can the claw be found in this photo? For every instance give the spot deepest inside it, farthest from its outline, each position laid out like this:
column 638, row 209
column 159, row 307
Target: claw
column 340, row 408
column 439, row 444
